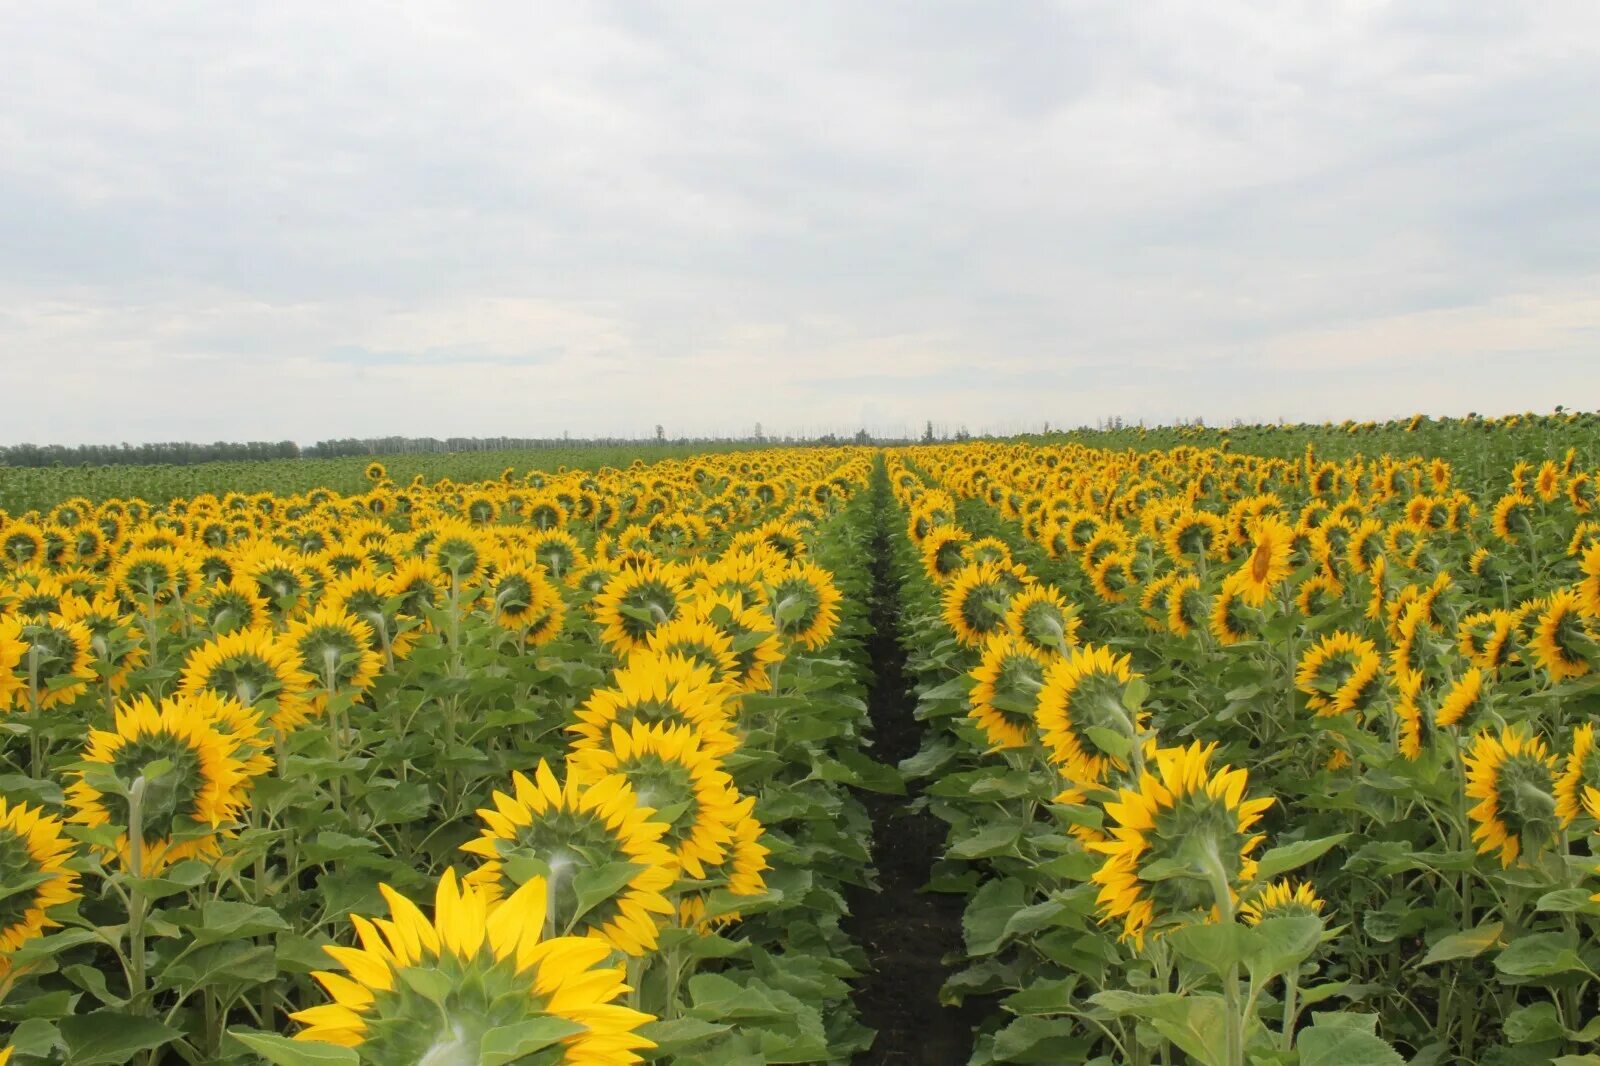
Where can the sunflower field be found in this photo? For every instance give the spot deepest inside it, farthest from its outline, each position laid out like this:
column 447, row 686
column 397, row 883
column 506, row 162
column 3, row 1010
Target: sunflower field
column 1249, row 747
column 547, row 768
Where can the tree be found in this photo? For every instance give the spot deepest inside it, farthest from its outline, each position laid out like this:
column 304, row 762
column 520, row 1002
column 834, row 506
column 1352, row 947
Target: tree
column 927, row 434
column 661, row 434
column 863, row 437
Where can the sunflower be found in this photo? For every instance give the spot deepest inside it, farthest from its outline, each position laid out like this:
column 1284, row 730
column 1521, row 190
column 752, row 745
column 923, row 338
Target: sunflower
column 754, row 639
column 1112, row 575
column 650, row 688
column 1006, row 690
column 52, row 661
column 236, row 604
column 1365, row 545
column 691, row 637
column 115, row 649
column 804, row 603
column 1197, row 821
column 559, row 832
column 558, row 552
column 671, row 772
column 1461, row 700
column 34, row 854
column 1282, row 899
column 1228, row 622
column 1512, row 776
column 1582, row 772
column 188, row 808
column 1317, row 594
column 1340, row 674
column 977, row 599
column 1081, row 695
column 1187, row 607
column 634, row 603
column 943, row 551
column 1513, row 517
column 1043, row 618
column 1414, row 725
column 336, row 649
column 366, row 595
column 1487, row 638
column 1561, row 642
column 1193, row 536
column 1269, row 561
column 252, row 666
column 21, row 543
column 1589, row 588
column 431, row 990
column 282, row 578
column 523, row 600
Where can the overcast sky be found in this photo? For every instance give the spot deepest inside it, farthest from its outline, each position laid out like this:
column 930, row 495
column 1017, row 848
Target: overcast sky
column 304, row 220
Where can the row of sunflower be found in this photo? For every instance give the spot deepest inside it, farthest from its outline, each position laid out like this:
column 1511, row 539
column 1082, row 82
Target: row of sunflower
column 1404, row 663
column 234, row 725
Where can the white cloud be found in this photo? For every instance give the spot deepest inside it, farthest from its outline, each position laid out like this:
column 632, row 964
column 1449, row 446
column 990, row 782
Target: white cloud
column 307, row 220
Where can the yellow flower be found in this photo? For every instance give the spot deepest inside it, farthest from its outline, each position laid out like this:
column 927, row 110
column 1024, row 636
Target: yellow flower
column 1582, row 772
column 804, row 605
column 671, row 771
column 336, row 649
column 1512, row 776
column 569, row 829
column 1268, row 563
column 430, row 990
column 976, row 601
column 1561, row 642
column 1282, row 899
column 1340, row 674
column 1083, row 692
column 1461, row 700
column 1006, row 691
column 650, row 688
column 252, row 666
column 1188, row 815
column 634, row 603
column 1043, row 618
column 34, row 854
column 187, row 809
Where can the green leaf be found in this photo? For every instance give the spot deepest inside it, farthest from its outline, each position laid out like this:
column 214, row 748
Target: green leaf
column 595, row 885
column 1216, row 947
column 1533, row 1023
column 1279, row 945
column 110, row 1037
column 509, row 1043
column 1466, row 945
column 1345, row 1040
column 1539, row 955
column 1281, row 860
column 992, row 840
column 281, row 1051
column 1109, row 740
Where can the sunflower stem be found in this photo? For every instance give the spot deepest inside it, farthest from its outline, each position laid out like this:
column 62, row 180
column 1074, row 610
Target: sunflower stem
column 137, row 903
column 1234, row 1035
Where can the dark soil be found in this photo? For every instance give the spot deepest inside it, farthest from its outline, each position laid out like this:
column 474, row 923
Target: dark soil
column 906, row 932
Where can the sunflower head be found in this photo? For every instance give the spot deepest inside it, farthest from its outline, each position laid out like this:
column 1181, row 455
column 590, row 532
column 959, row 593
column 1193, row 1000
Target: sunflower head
column 804, row 605
column 1582, row 773
column 1562, row 642
column 634, row 603
column 978, row 599
column 1005, row 693
column 258, row 668
column 34, row 853
column 652, row 689
column 1512, row 775
column 1083, row 718
column 335, row 648
column 754, row 639
column 1178, row 842
column 177, row 766
column 432, row 990
column 1340, row 674
column 571, row 836
column 671, row 772
column 1282, row 899
column 1488, row 638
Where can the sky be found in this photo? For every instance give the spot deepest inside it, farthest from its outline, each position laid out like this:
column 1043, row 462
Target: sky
column 300, row 220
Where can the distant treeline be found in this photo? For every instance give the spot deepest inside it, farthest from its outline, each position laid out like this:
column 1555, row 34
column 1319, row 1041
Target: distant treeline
column 186, row 453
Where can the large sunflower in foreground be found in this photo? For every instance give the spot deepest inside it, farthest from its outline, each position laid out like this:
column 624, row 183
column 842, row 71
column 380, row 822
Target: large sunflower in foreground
column 567, row 830
column 33, row 868
column 423, row 990
column 1512, row 775
column 187, row 808
column 1188, row 815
